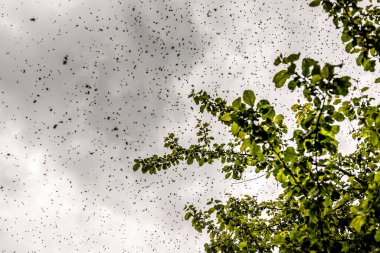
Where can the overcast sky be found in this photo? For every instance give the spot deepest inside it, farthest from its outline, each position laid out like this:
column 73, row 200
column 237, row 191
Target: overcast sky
column 88, row 86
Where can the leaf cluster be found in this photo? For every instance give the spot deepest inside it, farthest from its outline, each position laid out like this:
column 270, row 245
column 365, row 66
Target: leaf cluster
column 330, row 200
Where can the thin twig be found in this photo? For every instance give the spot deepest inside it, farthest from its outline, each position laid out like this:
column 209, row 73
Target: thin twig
column 249, row 179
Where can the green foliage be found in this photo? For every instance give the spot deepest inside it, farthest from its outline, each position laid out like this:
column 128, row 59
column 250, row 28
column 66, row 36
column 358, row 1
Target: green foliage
column 249, row 98
column 360, row 28
column 330, row 201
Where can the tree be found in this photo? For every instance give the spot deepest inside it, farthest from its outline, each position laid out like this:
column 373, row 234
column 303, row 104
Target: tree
column 330, row 201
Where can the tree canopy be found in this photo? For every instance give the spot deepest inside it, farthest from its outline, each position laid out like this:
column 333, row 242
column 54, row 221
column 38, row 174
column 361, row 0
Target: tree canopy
column 330, row 200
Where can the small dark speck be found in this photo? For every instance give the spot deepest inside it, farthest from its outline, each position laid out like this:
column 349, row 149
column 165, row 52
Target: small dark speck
column 65, row 59
column 55, row 126
column 33, row 19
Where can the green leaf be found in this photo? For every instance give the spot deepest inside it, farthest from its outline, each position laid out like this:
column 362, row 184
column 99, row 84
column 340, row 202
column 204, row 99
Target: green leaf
column 364, row 89
column 277, row 61
column 226, row 117
column 280, row 177
column 280, row 78
column 268, row 113
column 377, row 80
column 335, row 129
column 136, row 166
column 357, row 223
column 246, row 143
column 255, row 150
column 292, row 85
column 263, row 104
column 242, row 245
column 190, row 160
column 291, row 69
column 342, row 84
column 373, row 138
column 377, row 177
column 315, row 3
column 279, row 119
column 313, row 192
column 305, row 123
column 338, row 116
column 291, row 58
column 249, row 97
column 377, row 235
column 236, row 103
column 316, row 78
column 369, row 65
column 242, row 134
column 327, row 71
column 307, row 63
column 235, row 128
column 345, row 37
column 279, row 239
column 290, row 155
column 349, row 47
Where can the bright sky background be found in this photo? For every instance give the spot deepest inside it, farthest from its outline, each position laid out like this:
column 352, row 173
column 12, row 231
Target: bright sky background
column 88, row 86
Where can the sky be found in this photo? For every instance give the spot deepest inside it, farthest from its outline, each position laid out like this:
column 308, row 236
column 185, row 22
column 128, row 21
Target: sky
column 87, row 86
